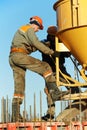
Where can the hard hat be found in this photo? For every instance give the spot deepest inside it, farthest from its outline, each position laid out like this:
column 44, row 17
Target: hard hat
column 52, row 30
column 38, row 20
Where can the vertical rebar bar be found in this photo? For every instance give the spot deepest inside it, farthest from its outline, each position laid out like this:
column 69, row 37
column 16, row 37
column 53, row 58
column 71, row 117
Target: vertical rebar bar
column 70, row 108
column 34, row 107
column 30, row 113
column 7, row 110
column 80, row 108
column 2, row 110
column 24, row 115
column 40, row 105
column 34, row 110
column 61, row 108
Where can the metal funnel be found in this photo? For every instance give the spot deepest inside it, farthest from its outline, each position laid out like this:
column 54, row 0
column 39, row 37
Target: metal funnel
column 72, row 27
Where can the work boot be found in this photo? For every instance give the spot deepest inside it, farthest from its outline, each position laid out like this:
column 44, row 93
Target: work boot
column 47, row 117
column 75, row 90
column 55, row 93
column 16, row 116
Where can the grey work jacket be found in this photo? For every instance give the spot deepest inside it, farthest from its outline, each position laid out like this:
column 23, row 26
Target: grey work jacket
column 26, row 38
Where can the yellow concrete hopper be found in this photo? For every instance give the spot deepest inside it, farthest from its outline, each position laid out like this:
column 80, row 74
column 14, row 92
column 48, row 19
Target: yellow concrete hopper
column 72, row 27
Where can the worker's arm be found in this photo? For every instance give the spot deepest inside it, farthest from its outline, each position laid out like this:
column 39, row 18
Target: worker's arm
column 37, row 44
column 45, row 42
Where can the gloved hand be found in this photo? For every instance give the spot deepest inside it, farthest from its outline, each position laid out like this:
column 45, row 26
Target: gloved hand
column 55, row 54
column 46, row 42
column 67, row 54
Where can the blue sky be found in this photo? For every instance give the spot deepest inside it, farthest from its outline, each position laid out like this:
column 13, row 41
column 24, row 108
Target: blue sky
column 13, row 14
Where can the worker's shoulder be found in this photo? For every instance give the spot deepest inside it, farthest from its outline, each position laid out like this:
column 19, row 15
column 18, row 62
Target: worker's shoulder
column 24, row 28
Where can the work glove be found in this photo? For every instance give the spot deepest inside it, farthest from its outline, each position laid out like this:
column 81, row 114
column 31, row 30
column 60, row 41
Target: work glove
column 55, row 54
column 67, row 54
column 46, row 42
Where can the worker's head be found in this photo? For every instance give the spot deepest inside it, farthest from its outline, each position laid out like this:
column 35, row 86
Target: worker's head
column 52, row 30
column 37, row 21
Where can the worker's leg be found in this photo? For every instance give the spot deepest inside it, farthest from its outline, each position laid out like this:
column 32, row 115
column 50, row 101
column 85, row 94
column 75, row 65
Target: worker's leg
column 42, row 68
column 16, row 116
column 19, row 89
column 51, row 108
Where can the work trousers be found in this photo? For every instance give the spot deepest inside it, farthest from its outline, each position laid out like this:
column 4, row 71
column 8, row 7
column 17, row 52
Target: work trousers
column 51, row 105
column 20, row 62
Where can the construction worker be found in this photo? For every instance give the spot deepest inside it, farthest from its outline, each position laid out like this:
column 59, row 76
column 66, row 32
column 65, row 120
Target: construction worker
column 50, row 42
column 24, row 43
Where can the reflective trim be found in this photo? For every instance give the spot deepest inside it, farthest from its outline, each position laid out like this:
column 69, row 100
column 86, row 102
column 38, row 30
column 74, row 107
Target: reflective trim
column 19, row 96
column 46, row 74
